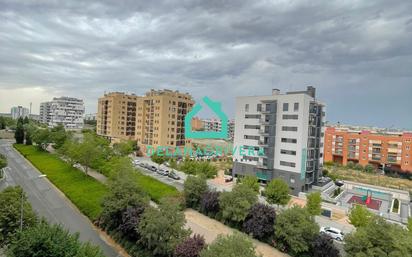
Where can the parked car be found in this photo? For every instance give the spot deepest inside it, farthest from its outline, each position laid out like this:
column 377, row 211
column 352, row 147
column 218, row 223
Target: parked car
column 173, row 175
column 339, row 183
column 153, row 168
column 162, row 172
column 136, row 162
column 334, row 233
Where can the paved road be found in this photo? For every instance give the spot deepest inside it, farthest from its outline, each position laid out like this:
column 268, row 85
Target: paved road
column 49, row 202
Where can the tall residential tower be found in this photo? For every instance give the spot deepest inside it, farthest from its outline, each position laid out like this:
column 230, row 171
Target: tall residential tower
column 288, row 130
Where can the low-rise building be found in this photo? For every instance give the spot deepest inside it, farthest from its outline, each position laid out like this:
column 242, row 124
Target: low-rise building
column 376, row 147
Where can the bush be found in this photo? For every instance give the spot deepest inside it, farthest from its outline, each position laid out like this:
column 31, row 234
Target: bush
column 277, row 192
column 358, row 167
column 323, row 246
column 209, row 204
column 250, row 181
column 260, row 221
column 231, row 245
column 235, row 205
column 197, row 168
column 325, row 172
column 314, row 202
column 350, row 165
column 190, row 247
column 370, row 168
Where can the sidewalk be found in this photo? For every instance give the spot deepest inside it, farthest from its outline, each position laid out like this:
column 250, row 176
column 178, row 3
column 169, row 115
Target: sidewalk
column 210, row 229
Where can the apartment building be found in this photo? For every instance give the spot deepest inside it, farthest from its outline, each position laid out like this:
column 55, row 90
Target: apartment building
column 377, row 147
column 66, row 111
column 19, row 112
column 288, row 130
column 160, row 118
column 197, row 124
column 216, row 125
column 116, row 116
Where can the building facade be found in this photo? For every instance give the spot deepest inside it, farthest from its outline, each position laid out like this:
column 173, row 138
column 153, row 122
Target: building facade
column 66, row 111
column 161, row 118
column 197, row 124
column 216, row 125
column 287, row 130
column 375, row 147
column 116, row 116
column 19, row 112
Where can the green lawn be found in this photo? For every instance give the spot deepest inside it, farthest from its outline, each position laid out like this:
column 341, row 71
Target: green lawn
column 84, row 191
column 154, row 188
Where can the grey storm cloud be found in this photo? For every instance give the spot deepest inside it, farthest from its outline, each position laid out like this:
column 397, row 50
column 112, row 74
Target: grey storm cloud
column 357, row 53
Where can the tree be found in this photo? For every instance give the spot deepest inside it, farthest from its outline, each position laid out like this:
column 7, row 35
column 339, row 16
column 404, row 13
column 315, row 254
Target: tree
column 26, row 120
column 277, row 192
column 3, row 161
column 10, row 202
column 252, row 182
column 124, row 200
column 28, row 136
column 379, row 239
column 2, row 123
column 235, row 205
column 313, row 204
column 409, row 226
column 162, row 229
column 124, row 148
column 295, row 230
column 19, row 133
column 228, row 246
column 209, row 203
column 323, row 246
column 50, row 240
column 359, row 216
column 194, row 188
column 58, row 136
column 159, row 159
column 42, row 138
column 190, row 247
column 130, row 221
column 260, row 221
column 197, row 167
column 369, row 168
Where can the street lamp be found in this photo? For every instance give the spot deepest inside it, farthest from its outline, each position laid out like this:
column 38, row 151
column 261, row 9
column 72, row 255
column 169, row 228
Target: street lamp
column 21, row 200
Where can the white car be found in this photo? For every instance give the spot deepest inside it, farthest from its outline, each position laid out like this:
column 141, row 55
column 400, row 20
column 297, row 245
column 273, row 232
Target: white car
column 135, row 162
column 335, row 233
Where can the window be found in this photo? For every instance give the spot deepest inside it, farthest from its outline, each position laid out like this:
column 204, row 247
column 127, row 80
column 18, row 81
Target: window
column 290, row 116
column 251, row 137
column 287, row 128
column 289, row 152
column 289, row 140
column 246, row 107
column 285, row 107
column 259, row 107
column 288, row 164
column 252, row 116
column 252, row 127
column 296, row 107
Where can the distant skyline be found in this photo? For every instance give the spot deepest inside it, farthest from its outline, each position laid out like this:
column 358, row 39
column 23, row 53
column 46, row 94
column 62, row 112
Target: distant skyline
column 357, row 54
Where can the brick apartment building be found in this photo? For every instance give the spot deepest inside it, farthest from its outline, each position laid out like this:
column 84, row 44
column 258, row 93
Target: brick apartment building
column 392, row 149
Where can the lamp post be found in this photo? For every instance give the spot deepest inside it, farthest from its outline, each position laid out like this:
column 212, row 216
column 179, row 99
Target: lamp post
column 22, row 198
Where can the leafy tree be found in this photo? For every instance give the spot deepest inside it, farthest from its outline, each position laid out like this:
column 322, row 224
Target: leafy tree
column 277, row 192
column 19, row 133
column 252, row 182
column 159, row 159
column 313, row 204
column 409, row 226
column 194, row 188
column 50, row 240
column 3, row 161
column 350, row 165
column 209, row 203
column 323, row 246
column 369, row 168
column 42, row 138
column 124, row 148
column 379, row 239
column 190, row 247
column 198, row 167
column 162, row 229
column 130, row 221
column 295, row 229
column 2, row 123
column 260, row 221
column 124, row 199
column 59, row 136
column 26, row 120
column 359, row 216
column 235, row 205
column 10, row 202
column 228, row 246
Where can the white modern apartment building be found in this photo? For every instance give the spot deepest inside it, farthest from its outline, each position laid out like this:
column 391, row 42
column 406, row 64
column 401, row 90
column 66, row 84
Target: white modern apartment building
column 216, row 125
column 282, row 137
column 67, row 111
column 19, row 112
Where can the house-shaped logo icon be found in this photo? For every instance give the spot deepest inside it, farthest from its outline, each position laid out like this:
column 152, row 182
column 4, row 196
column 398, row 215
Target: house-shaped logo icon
column 216, row 108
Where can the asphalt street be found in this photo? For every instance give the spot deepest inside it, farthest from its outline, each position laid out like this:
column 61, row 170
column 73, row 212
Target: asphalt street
column 48, row 201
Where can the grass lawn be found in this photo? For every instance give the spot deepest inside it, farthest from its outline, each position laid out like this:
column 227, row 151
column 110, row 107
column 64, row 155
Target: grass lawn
column 154, row 188
column 84, row 191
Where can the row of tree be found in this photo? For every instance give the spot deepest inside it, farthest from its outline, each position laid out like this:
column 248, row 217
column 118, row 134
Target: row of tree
column 147, row 230
column 293, row 231
column 36, row 237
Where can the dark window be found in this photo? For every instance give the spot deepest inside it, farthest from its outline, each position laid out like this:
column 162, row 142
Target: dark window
column 289, row 140
column 296, row 107
column 252, row 126
column 259, row 107
column 246, row 107
column 252, row 116
column 288, row 164
column 283, row 151
column 251, row 137
column 290, row 116
column 287, row 128
column 285, row 107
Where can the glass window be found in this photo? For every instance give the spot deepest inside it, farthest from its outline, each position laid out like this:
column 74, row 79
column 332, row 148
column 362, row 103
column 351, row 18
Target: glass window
column 296, row 107
column 259, row 107
column 246, row 107
column 285, row 107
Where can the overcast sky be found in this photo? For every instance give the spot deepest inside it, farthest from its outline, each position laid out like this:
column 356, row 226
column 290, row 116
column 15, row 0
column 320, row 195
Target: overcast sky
column 358, row 54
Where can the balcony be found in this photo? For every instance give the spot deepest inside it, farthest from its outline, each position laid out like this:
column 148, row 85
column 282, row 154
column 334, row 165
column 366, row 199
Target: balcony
column 264, row 121
column 265, row 110
column 263, row 143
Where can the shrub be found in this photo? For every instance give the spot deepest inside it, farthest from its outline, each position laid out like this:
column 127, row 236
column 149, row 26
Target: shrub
column 190, row 247
column 209, row 203
column 369, row 168
column 194, row 188
column 260, row 221
column 323, row 246
column 350, row 165
column 231, row 245
column 235, row 205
